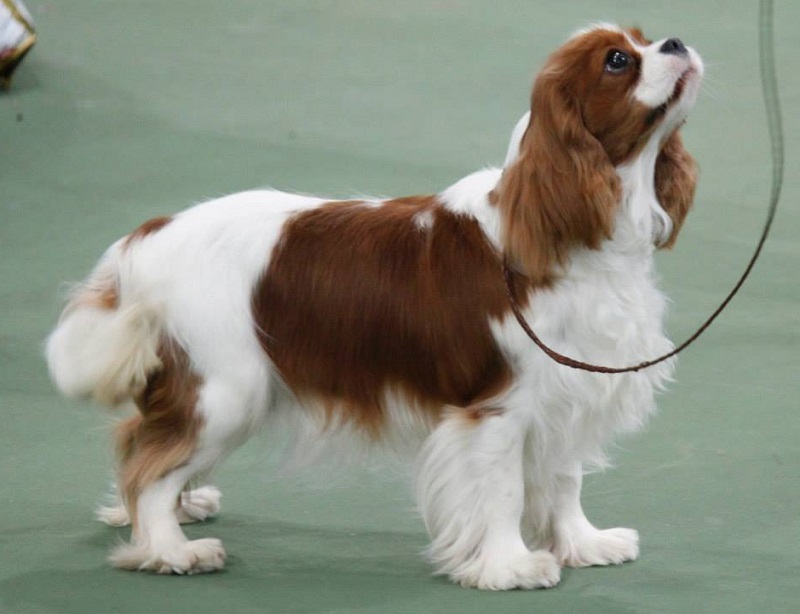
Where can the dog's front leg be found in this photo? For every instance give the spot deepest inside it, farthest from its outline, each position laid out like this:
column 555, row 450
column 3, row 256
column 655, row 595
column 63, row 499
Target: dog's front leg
column 470, row 492
column 576, row 542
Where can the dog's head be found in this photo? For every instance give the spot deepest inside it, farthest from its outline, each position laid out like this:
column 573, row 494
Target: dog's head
column 605, row 98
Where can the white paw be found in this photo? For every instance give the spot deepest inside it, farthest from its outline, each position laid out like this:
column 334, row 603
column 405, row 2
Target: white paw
column 196, row 506
column 199, row 504
column 537, row 569
column 609, row 547
column 115, row 515
column 191, row 557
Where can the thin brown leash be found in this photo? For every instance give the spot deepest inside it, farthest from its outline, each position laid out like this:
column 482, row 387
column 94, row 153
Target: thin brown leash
column 769, row 89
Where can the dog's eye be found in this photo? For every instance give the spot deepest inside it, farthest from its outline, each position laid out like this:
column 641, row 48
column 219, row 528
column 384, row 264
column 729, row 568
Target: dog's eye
column 617, row 61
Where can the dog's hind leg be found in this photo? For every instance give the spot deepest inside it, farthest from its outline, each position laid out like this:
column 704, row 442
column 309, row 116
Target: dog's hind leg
column 188, row 424
column 196, row 505
column 157, row 543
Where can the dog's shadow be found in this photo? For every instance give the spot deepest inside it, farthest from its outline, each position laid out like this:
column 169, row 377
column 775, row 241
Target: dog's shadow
column 273, row 566
column 283, row 548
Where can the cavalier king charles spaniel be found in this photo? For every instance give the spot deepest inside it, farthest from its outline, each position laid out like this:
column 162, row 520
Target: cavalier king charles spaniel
column 388, row 320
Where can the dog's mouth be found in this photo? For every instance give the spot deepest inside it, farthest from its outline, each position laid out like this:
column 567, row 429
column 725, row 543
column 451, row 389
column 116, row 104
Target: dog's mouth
column 680, row 84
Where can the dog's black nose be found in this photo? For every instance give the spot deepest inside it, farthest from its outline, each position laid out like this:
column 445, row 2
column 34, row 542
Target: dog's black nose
column 674, row 46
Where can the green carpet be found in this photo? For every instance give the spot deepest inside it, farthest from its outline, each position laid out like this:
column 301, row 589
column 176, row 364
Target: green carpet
column 128, row 109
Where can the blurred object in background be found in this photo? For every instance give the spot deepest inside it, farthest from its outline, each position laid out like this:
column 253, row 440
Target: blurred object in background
column 16, row 37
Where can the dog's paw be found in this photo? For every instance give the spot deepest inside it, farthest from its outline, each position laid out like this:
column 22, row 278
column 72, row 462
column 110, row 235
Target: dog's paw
column 191, row 557
column 529, row 570
column 590, row 548
column 199, row 504
column 114, row 515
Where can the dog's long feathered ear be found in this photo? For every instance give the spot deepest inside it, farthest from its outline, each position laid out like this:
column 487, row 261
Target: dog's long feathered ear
column 561, row 191
column 676, row 180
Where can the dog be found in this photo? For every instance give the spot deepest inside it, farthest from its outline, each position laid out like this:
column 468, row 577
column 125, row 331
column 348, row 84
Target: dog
column 385, row 320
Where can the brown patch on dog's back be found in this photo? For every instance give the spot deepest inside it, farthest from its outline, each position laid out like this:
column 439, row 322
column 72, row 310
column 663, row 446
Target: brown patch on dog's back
column 361, row 300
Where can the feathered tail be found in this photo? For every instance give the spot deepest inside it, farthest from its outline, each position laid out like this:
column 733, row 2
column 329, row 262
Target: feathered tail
column 106, row 342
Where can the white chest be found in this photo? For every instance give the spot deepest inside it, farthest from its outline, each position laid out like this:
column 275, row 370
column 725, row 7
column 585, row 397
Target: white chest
column 606, row 310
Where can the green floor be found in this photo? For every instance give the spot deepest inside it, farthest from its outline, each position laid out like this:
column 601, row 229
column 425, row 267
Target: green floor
column 128, row 109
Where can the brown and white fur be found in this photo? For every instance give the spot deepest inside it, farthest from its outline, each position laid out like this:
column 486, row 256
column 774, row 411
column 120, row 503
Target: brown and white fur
column 379, row 318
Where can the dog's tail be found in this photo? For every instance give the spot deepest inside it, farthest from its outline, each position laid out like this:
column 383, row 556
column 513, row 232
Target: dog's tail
column 107, row 339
